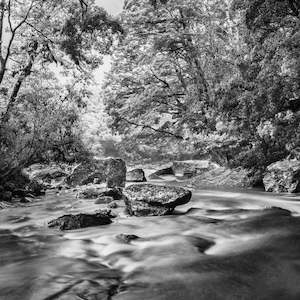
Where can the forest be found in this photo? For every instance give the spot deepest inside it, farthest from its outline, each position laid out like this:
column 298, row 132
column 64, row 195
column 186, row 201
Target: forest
column 199, row 107
column 188, row 80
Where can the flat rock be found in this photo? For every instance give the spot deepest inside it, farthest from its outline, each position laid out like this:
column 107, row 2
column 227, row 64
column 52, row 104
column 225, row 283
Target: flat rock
column 154, row 200
column 136, row 175
column 69, row 222
column 283, row 177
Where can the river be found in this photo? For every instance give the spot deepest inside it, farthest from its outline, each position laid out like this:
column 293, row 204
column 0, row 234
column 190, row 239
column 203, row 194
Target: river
column 221, row 245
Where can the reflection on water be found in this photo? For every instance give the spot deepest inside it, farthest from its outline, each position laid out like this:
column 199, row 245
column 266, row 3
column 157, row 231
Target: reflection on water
column 222, row 245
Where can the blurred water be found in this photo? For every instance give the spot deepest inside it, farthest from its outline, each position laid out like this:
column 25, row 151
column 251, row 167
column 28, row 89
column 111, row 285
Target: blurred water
column 221, row 245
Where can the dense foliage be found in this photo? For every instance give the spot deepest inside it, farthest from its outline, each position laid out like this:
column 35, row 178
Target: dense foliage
column 47, row 54
column 211, row 76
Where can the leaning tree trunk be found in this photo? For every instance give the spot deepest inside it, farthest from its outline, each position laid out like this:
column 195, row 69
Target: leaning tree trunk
column 23, row 74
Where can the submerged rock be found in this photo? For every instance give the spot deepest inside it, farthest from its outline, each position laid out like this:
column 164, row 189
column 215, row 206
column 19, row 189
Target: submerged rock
column 127, row 238
column 96, row 192
column 161, row 172
column 283, row 176
column 136, row 175
column 89, row 193
column 69, row 222
column 115, row 172
column 154, row 200
column 104, row 200
column 113, row 205
column 115, row 193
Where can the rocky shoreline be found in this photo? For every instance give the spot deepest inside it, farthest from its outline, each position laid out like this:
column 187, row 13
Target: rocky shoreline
column 111, row 176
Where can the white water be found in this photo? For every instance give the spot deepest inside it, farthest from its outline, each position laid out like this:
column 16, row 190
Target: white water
column 221, row 245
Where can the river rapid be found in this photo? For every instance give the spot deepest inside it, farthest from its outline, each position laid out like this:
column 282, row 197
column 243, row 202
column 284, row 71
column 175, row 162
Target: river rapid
column 221, row 245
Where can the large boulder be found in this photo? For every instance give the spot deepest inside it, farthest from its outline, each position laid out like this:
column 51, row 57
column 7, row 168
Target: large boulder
column 115, row 172
column 154, row 200
column 136, row 175
column 222, row 177
column 190, row 168
column 283, row 176
column 69, row 222
column 92, row 171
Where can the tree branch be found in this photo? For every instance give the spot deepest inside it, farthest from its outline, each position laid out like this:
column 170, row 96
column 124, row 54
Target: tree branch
column 154, row 129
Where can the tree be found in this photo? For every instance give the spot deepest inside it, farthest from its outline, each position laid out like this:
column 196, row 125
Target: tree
column 161, row 79
column 74, row 34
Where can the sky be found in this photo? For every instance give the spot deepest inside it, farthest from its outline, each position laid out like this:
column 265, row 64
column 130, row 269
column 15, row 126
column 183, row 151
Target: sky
column 112, row 6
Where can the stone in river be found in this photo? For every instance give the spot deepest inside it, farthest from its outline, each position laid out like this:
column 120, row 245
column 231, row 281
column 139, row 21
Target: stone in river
column 104, row 200
column 115, row 172
column 69, row 222
column 161, row 172
column 127, row 238
column 136, row 175
column 154, row 200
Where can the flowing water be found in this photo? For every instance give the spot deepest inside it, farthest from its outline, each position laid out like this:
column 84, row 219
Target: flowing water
column 221, row 245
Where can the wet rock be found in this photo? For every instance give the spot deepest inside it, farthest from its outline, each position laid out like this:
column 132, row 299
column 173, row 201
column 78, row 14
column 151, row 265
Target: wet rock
column 136, row 175
column 283, row 177
column 161, row 172
column 36, row 188
column 113, row 205
column 6, row 196
column 25, row 200
column 154, row 200
column 94, row 193
column 201, row 244
column 127, row 238
column 104, row 200
column 89, row 193
column 190, row 168
column 69, row 222
column 107, row 212
column 87, row 172
column 115, row 172
column 115, row 193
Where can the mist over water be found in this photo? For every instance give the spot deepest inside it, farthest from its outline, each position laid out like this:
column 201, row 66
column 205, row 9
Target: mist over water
column 221, row 245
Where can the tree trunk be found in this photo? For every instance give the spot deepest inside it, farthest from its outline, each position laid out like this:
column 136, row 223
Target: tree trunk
column 2, row 12
column 23, row 74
